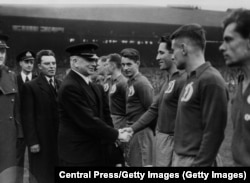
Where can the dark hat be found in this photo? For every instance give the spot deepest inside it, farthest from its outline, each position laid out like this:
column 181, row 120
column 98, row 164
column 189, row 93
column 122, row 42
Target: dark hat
column 3, row 39
column 86, row 50
column 25, row 55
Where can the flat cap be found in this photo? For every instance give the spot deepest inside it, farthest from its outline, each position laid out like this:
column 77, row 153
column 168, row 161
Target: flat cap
column 86, row 50
column 3, row 39
column 25, row 55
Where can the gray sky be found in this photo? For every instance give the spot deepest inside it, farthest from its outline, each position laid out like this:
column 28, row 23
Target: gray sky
column 204, row 4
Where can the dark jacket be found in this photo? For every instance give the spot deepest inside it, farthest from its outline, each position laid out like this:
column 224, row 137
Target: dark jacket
column 8, row 120
column 20, row 84
column 85, row 122
column 40, row 125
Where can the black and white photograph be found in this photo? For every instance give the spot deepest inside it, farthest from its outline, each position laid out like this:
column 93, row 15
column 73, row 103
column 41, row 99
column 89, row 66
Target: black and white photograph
column 116, row 84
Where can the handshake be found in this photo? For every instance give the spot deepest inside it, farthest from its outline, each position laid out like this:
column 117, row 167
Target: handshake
column 125, row 134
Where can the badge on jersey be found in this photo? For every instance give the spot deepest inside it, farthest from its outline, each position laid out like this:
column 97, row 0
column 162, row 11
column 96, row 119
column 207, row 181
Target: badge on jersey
column 170, row 86
column 247, row 117
column 188, row 92
column 113, row 89
column 248, row 99
column 106, row 87
column 131, row 91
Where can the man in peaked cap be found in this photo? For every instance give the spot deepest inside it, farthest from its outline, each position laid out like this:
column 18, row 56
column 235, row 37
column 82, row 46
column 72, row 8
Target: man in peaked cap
column 26, row 61
column 8, row 117
column 86, row 128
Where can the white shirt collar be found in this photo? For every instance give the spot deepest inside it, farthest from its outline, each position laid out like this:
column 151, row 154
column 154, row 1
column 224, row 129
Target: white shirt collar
column 48, row 78
column 86, row 79
column 23, row 75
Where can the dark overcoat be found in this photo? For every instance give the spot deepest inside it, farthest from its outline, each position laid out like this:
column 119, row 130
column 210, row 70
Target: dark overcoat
column 40, row 120
column 85, row 122
column 8, row 92
column 20, row 84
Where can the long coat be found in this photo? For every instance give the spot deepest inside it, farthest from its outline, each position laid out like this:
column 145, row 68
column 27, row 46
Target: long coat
column 8, row 91
column 20, row 85
column 85, row 122
column 40, row 126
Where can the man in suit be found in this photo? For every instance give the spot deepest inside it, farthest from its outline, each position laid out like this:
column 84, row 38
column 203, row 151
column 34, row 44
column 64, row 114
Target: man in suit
column 8, row 92
column 86, row 128
column 40, row 118
column 26, row 61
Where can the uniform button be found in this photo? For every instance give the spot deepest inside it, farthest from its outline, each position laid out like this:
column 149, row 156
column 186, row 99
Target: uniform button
column 12, row 100
column 13, row 89
column 10, row 117
column 247, row 117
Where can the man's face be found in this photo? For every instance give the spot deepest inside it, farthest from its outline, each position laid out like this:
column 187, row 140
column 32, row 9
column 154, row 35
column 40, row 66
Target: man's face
column 110, row 67
column 101, row 67
column 177, row 55
column 130, row 68
column 164, row 57
column 84, row 66
column 48, row 65
column 2, row 56
column 27, row 65
column 234, row 48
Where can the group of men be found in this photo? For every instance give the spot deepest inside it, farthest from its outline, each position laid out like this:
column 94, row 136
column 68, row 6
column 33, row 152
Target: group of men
column 112, row 118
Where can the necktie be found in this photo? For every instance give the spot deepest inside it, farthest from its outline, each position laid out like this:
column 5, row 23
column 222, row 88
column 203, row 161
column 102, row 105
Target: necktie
column 27, row 79
column 51, row 83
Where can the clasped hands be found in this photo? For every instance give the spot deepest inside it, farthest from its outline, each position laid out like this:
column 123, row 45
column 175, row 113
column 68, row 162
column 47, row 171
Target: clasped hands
column 125, row 134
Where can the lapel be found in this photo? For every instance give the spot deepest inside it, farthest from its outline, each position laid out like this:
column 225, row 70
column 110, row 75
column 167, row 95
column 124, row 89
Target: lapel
column 19, row 82
column 97, row 94
column 33, row 76
column 86, row 88
column 44, row 85
column 19, row 79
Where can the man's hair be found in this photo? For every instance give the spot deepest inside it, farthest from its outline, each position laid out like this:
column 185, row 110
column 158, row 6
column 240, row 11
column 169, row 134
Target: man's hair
column 166, row 39
column 131, row 53
column 116, row 59
column 43, row 53
column 194, row 32
column 242, row 19
column 103, row 58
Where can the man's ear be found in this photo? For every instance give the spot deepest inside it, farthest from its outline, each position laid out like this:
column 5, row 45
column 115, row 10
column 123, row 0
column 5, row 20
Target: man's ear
column 184, row 49
column 138, row 62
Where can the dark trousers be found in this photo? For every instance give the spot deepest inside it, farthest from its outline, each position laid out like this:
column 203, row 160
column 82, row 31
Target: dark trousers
column 20, row 146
